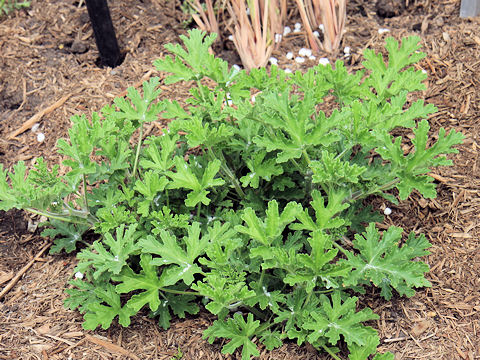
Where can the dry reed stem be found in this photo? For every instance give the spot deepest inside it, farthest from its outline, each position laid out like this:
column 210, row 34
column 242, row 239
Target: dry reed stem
column 206, row 21
column 330, row 13
column 254, row 34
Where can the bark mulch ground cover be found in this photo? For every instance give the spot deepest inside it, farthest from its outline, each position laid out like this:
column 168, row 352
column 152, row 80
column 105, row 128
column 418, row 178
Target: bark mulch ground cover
column 48, row 72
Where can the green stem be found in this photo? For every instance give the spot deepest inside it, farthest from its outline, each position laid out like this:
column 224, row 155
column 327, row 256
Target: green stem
column 295, row 163
column 347, row 148
column 137, row 154
column 88, row 220
column 179, row 292
column 306, row 157
column 199, row 208
column 255, row 312
column 323, row 291
column 228, row 173
column 330, row 352
column 360, row 194
column 339, row 247
column 264, row 327
column 85, row 192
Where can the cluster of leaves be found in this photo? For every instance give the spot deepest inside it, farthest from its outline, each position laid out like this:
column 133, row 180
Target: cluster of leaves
column 244, row 205
column 6, row 6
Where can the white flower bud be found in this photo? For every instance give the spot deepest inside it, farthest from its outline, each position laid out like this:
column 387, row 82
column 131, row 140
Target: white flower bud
column 305, row 52
column 323, row 61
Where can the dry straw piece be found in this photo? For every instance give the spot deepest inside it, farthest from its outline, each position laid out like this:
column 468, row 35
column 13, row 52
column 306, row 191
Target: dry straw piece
column 206, row 21
column 255, row 25
column 330, row 13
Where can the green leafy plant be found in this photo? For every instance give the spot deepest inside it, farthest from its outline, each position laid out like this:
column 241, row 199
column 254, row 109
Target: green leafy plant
column 244, row 206
column 6, row 6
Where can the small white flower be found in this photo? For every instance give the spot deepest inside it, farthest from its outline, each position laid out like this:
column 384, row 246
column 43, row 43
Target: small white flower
column 273, row 61
column 288, row 71
column 230, row 37
column 286, row 30
column 311, row 57
column 305, row 52
column 236, row 67
column 323, row 61
column 346, row 50
column 210, row 219
column 300, row 60
column 387, row 211
column 253, row 98
column 316, row 34
column 40, row 137
column 78, row 275
column 35, row 127
column 289, row 55
column 383, row 31
column 424, row 71
column 278, row 38
column 297, row 28
column 322, row 28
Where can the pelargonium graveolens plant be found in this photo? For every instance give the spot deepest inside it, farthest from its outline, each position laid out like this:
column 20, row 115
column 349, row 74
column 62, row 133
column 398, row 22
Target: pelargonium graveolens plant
column 244, row 207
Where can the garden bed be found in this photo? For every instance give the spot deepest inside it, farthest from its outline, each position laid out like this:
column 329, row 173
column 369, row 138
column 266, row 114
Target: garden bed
column 48, row 57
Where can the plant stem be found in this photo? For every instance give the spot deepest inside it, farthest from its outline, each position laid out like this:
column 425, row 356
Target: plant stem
column 179, row 292
column 306, row 157
column 228, row 173
column 330, row 352
column 199, row 208
column 339, row 247
column 85, row 192
column 359, row 194
column 137, row 154
column 255, row 312
column 67, row 218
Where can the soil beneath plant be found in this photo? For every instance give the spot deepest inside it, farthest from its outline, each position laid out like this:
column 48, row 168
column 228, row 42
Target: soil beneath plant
column 48, row 57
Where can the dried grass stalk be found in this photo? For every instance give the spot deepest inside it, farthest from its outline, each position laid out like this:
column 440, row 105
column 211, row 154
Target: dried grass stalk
column 254, row 32
column 206, row 21
column 330, row 13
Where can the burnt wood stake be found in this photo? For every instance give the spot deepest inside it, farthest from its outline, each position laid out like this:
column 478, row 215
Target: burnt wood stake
column 104, row 32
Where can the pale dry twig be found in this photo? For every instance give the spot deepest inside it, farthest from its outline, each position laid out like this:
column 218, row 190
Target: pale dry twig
column 330, row 13
column 254, row 30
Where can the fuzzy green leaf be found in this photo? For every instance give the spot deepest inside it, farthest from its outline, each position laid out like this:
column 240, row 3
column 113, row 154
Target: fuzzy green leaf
column 267, row 231
column 103, row 315
column 325, row 215
column 385, row 264
column 185, row 178
column 172, row 253
column 115, row 257
column 147, row 280
column 239, row 331
column 340, row 318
